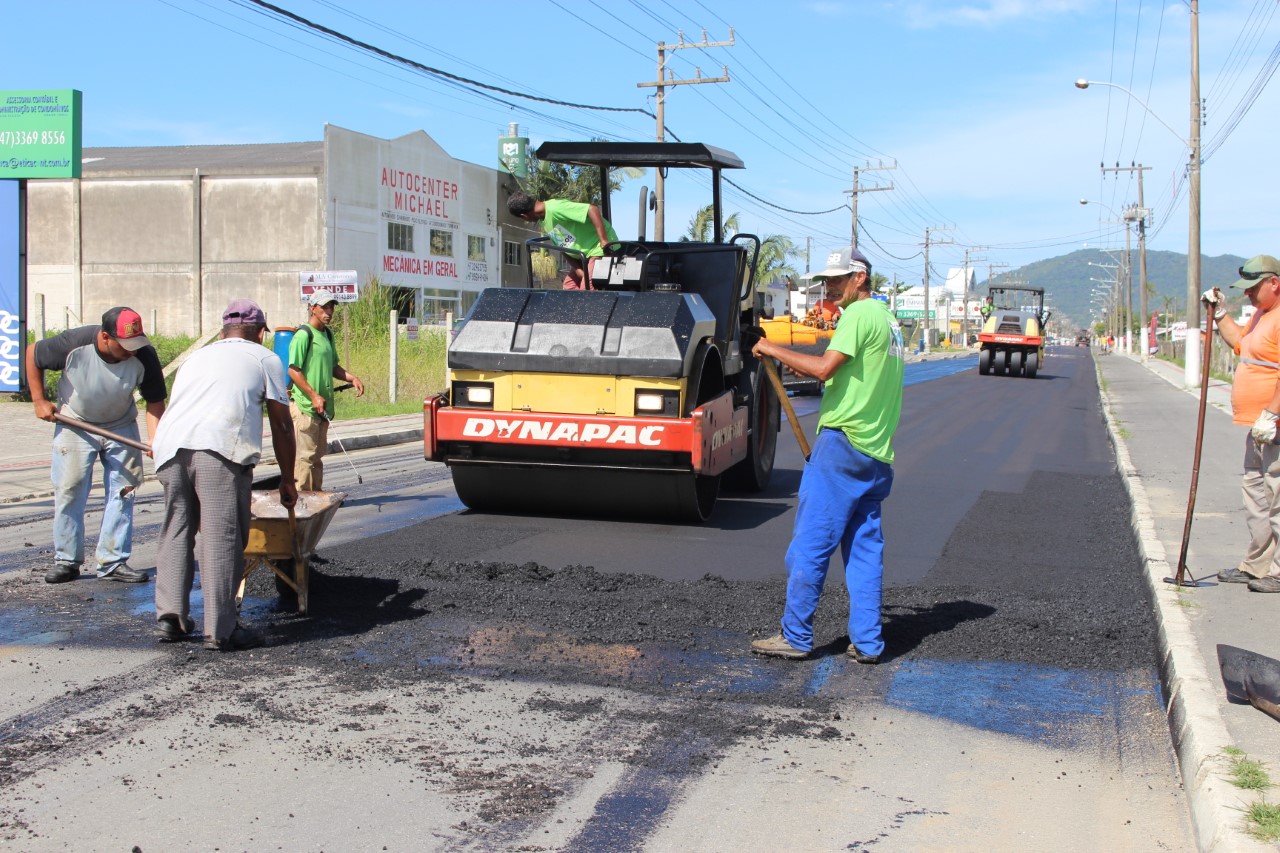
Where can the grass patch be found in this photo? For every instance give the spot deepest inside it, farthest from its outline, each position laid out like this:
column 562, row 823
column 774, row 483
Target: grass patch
column 1123, row 432
column 1248, row 774
column 1263, row 821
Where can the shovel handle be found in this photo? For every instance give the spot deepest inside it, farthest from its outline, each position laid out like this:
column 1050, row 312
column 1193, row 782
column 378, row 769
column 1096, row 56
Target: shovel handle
column 775, row 380
column 96, row 430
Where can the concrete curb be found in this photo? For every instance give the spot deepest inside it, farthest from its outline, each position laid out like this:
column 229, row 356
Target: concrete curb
column 1195, row 723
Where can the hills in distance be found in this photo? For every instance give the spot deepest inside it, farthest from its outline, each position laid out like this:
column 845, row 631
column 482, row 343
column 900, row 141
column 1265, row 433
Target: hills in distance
column 1068, row 288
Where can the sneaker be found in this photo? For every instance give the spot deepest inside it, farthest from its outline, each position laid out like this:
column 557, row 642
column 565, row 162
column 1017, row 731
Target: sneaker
column 124, row 573
column 171, row 629
column 777, row 647
column 241, row 638
column 1267, row 584
column 61, row 573
column 853, row 652
column 1234, row 575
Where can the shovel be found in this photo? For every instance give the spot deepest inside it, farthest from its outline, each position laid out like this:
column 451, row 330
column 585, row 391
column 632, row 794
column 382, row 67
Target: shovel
column 1251, row 677
column 775, row 380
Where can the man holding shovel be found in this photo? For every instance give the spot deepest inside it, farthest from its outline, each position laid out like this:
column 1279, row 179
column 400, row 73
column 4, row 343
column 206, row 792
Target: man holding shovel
column 313, row 365
column 101, row 366
column 1255, row 403
column 850, row 469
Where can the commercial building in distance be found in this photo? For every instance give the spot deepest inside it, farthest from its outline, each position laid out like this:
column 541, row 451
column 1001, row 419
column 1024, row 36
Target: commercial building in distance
column 182, row 230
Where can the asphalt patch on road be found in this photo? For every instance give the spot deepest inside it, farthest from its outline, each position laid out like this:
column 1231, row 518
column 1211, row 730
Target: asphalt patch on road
column 1059, row 588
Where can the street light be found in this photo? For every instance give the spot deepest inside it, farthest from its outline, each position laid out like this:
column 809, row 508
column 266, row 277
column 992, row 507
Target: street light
column 1127, row 337
column 1191, row 372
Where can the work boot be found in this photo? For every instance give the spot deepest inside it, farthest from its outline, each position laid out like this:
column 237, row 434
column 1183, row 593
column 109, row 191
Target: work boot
column 777, row 647
column 241, row 638
column 1234, row 575
column 171, row 629
column 853, row 652
column 124, row 573
column 1268, row 584
column 62, row 572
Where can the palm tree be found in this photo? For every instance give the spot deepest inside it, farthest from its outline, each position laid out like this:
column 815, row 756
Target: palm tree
column 700, row 226
column 774, row 260
column 572, row 183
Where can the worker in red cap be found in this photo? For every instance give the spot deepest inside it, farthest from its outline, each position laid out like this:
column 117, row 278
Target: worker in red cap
column 101, row 367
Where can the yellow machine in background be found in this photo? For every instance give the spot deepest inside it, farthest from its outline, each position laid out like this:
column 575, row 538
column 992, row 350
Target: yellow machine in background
column 1013, row 335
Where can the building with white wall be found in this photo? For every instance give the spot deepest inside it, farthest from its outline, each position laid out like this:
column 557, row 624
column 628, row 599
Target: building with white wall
column 177, row 232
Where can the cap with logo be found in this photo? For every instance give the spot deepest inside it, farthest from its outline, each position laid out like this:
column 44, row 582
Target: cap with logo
column 243, row 312
column 322, row 297
column 1255, row 270
column 844, row 261
column 125, row 326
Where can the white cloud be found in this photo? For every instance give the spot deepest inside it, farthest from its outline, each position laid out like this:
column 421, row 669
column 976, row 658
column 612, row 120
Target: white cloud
column 924, row 15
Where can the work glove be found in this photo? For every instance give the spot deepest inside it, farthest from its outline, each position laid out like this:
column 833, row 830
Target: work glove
column 1264, row 428
column 1219, row 302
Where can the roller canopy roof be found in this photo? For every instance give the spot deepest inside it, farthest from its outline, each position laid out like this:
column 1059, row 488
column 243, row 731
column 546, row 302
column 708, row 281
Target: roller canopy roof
column 641, row 155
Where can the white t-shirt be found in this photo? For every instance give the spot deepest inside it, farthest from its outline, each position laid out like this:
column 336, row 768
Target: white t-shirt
column 217, row 402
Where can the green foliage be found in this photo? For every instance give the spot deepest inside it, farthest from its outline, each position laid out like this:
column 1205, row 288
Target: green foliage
column 572, row 183
column 1247, row 773
column 1263, row 820
column 702, row 225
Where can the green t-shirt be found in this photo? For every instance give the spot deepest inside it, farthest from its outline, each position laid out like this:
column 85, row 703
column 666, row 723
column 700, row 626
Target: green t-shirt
column 864, row 397
column 567, row 224
column 316, row 363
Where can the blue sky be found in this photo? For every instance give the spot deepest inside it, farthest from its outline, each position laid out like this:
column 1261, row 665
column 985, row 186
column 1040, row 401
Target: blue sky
column 973, row 101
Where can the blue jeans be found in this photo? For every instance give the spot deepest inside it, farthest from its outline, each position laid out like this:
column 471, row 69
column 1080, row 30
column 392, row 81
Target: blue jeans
column 840, row 495
column 74, row 455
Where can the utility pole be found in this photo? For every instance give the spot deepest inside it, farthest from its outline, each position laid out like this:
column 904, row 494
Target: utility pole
column 663, row 81
column 1138, row 214
column 853, row 193
column 1191, row 372
column 928, row 241
column 1116, row 303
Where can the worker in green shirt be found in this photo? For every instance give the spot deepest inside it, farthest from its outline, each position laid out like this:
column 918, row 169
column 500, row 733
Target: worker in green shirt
column 571, row 225
column 850, row 470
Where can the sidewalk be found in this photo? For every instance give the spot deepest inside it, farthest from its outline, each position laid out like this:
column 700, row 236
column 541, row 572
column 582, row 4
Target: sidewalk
column 1152, row 420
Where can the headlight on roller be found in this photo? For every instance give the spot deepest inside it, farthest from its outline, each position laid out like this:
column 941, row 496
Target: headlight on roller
column 473, row 395
column 661, row 404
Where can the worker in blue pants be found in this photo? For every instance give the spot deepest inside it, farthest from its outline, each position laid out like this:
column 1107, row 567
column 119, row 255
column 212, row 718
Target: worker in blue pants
column 850, row 469
column 840, row 496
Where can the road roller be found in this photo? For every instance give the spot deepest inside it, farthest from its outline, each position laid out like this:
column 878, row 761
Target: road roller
column 1013, row 335
column 638, row 398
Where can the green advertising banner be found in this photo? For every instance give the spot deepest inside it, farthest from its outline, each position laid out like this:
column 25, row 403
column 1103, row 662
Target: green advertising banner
column 914, row 314
column 40, row 134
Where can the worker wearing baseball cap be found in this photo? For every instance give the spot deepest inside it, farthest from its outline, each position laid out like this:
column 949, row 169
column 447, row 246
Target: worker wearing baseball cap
column 313, row 365
column 850, row 470
column 101, row 367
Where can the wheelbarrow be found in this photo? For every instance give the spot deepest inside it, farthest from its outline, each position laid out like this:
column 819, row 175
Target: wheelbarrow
column 284, row 538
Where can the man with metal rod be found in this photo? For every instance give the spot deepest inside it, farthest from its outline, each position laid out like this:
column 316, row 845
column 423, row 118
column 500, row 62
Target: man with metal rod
column 313, row 365
column 101, row 366
column 850, row 470
column 205, row 451
column 1255, row 403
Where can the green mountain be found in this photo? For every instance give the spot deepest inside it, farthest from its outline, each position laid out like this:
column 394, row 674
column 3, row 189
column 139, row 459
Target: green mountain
column 1068, row 288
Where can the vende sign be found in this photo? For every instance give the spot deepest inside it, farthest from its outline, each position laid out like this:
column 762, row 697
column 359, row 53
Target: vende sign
column 343, row 284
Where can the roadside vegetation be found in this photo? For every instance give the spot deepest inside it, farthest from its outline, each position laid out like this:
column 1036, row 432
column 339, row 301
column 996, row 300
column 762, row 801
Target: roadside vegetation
column 1262, row 819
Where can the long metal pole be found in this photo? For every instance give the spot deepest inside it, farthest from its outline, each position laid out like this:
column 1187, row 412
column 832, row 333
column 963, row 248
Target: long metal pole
column 1142, row 270
column 1179, row 577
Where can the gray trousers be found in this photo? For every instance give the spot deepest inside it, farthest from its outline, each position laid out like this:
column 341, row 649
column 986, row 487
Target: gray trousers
column 1261, row 488
column 204, row 493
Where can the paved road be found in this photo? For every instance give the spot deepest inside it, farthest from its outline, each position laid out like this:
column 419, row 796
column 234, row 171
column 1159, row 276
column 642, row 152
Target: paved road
column 467, row 682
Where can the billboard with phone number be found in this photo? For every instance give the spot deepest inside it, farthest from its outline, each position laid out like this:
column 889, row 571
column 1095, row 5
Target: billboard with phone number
column 10, row 272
